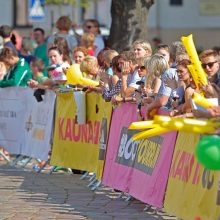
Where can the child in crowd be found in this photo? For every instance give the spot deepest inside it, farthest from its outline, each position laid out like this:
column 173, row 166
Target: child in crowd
column 90, row 69
column 87, row 41
column 37, row 68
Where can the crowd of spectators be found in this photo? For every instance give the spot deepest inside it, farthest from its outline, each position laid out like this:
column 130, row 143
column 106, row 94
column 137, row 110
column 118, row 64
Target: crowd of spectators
column 153, row 78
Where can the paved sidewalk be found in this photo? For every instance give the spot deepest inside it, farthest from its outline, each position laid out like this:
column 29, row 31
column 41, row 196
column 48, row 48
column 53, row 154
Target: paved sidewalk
column 26, row 195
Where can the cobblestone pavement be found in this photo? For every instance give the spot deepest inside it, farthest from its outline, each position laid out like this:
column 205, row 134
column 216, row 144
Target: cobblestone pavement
column 27, row 195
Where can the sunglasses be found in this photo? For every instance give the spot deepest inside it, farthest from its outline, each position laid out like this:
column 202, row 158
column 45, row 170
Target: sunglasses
column 210, row 64
column 141, row 68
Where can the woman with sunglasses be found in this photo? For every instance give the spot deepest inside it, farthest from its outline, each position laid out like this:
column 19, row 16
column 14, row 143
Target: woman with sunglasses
column 92, row 26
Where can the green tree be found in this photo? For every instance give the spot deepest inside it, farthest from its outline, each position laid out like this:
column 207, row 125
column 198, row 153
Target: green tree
column 83, row 3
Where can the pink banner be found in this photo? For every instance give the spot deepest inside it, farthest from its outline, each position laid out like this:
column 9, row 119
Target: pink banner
column 141, row 167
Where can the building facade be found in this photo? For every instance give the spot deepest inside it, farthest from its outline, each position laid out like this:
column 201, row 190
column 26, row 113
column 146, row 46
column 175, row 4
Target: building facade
column 167, row 19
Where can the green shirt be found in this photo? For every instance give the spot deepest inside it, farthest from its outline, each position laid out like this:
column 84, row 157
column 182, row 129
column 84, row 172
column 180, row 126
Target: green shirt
column 41, row 53
column 18, row 75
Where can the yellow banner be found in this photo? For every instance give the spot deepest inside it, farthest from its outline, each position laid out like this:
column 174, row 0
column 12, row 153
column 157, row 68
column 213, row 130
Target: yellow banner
column 81, row 146
column 192, row 190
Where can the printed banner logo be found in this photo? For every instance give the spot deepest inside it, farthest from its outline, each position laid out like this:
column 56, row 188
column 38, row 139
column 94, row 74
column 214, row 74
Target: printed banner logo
column 142, row 154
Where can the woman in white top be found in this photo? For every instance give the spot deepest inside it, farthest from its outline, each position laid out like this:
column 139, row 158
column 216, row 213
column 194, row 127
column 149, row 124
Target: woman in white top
column 55, row 70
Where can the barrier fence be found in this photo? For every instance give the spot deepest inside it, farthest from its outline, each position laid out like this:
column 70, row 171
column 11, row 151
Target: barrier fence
column 78, row 146
column 25, row 124
column 160, row 171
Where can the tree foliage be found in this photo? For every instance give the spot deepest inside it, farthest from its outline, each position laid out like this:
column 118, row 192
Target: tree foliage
column 83, row 3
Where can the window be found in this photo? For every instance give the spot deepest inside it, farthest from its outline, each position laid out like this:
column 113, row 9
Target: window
column 176, row 2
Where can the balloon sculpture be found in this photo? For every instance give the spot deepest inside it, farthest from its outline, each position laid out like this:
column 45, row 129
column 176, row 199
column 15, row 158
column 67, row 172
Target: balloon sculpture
column 163, row 124
column 75, row 77
column 205, row 103
column 207, row 150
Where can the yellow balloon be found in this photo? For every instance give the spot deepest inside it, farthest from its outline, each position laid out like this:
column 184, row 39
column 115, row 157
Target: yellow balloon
column 142, row 125
column 205, row 103
column 194, row 75
column 201, row 77
column 88, row 82
column 74, row 76
column 186, row 124
column 150, row 133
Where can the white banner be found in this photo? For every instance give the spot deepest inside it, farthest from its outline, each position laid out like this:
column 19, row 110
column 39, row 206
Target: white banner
column 25, row 124
column 38, row 126
column 12, row 114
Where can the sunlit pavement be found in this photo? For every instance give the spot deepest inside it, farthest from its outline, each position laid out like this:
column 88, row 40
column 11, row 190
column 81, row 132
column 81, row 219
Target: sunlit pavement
column 25, row 194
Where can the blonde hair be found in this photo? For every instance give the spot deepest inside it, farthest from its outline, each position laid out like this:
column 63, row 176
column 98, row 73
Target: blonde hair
column 145, row 45
column 88, row 39
column 88, row 64
column 181, row 56
column 155, row 67
column 142, row 61
column 109, row 55
column 209, row 52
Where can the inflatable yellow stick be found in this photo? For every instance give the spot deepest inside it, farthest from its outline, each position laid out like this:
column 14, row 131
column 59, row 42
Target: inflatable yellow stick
column 194, row 75
column 151, row 132
column 205, row 103
column 142, row 125
column 188, row 43
column 186, row 124
column 74, row 76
